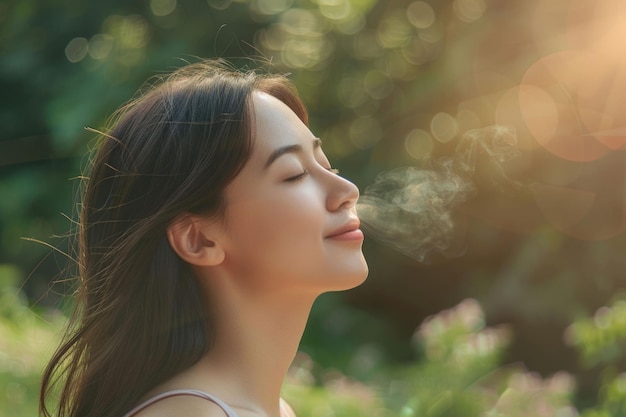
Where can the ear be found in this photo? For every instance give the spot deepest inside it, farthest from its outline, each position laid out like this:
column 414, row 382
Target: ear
column 194, row 239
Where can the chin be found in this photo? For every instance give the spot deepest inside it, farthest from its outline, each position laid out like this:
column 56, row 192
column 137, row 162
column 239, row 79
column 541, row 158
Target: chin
column 363, row 275
column 354, row 277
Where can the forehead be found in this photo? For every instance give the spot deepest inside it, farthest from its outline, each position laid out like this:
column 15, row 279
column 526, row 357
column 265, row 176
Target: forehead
column 275, row 125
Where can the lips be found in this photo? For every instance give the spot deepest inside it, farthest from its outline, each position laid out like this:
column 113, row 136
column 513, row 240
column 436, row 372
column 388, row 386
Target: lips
column 349, row 231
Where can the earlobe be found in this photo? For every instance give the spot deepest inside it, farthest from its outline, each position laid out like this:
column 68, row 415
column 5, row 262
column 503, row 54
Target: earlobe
column 191, row 239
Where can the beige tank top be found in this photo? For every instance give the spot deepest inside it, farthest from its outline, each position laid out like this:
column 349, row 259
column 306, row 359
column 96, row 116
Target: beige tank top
column 195, row 393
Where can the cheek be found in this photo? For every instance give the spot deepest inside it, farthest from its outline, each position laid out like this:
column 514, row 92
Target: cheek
column 268, row 248
column 279, row 226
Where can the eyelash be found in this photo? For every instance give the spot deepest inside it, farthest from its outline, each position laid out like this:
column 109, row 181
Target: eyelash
column 305, row 172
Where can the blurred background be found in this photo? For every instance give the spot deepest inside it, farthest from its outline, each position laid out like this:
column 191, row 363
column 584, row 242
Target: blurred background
column 529, row 311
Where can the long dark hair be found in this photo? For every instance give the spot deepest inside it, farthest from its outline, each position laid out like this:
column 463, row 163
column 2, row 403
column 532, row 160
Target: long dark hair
column 140, row 316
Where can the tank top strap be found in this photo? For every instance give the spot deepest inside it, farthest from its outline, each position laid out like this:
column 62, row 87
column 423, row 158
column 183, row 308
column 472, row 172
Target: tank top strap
column 195, row 393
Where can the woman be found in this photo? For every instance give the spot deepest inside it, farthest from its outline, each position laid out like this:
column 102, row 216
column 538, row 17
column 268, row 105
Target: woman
column 210, row 222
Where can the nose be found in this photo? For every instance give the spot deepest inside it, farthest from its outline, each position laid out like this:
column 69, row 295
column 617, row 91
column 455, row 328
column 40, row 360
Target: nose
column 342, row 194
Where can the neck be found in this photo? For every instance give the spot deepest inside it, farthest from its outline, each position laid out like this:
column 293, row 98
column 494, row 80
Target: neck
column 257, row 338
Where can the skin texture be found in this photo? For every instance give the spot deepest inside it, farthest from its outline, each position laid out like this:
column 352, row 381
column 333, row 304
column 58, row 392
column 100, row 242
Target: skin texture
column 263, row 265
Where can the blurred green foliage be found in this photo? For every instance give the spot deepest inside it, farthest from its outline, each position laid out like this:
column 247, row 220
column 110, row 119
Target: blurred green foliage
column 387, row 84
column 460, row 373
column 27, row 339
column 601, row 340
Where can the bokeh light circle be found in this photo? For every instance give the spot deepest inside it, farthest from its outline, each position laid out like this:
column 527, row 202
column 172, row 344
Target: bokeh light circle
column 549, row 104
column 365, row 132
column 418, row 143
column 421, row 14
column 76, row 49
column 219, row 4
column 162, row 7
column 444, row 127
column 469, row 10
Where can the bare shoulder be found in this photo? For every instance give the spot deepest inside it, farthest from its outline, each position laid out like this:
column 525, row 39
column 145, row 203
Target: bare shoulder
column 182, row 406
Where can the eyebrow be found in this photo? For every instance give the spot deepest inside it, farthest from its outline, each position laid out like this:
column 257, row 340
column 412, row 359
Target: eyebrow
column 317, row 142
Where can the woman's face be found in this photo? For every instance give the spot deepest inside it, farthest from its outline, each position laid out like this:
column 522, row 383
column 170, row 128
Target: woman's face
column 290, row 220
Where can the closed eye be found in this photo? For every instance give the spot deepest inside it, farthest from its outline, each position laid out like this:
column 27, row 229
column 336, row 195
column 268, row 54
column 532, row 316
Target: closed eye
column 306, row 172
column 297, row 177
